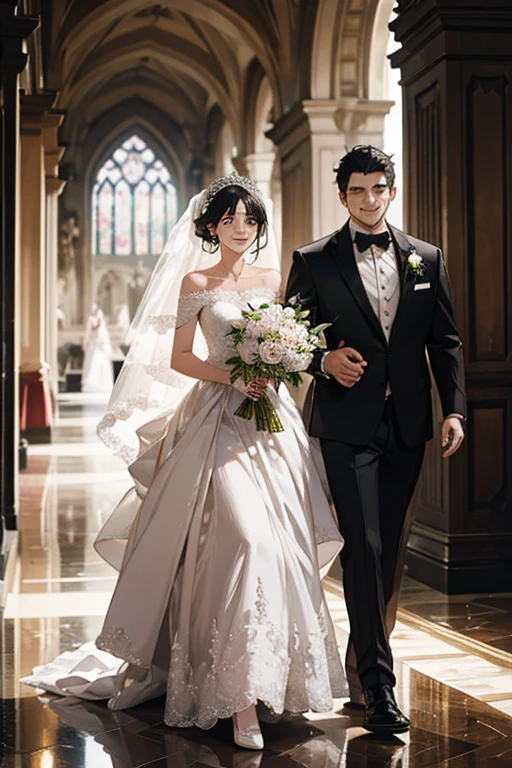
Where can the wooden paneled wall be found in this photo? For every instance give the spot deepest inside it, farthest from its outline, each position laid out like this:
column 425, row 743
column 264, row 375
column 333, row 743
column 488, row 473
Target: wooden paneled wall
column 457, row 78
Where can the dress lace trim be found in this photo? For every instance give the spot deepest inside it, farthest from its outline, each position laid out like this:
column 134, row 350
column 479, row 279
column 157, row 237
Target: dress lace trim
column 192, row 303
column 294, row 671
column 297, row 672
column 121, row 412
column 160, row 323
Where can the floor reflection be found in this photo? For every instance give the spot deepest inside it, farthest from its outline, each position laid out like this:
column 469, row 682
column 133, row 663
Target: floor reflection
column 449, row 729
column 60, row 596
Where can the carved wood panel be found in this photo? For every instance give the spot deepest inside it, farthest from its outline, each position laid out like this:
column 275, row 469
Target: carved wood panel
column 488, row 452
column 487, row 146
column 427, row 107
column 428, row 159
column 458, row 161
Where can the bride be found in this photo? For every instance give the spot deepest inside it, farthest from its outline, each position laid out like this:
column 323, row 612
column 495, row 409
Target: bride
column 220, row 543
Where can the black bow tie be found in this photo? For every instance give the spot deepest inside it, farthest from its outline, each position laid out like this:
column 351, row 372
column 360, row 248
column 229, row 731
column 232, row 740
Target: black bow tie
column 381, row 240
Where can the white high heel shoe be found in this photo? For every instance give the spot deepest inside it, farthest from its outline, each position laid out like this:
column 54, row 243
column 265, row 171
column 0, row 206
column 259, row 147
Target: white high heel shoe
column 247, row 738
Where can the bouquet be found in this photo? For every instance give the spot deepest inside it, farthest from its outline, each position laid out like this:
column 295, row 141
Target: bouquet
column 274, row 341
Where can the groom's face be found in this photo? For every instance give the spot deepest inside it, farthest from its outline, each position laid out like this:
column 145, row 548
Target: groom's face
column 368, row 198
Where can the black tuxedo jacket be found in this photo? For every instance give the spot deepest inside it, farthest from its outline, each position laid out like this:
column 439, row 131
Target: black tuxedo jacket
column 326, row 275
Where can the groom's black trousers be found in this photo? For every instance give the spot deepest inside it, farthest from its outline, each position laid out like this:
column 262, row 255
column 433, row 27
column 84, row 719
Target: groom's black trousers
column 371, row 488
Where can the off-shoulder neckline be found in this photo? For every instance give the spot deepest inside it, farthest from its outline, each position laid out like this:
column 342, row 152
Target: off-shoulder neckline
column 230, row 291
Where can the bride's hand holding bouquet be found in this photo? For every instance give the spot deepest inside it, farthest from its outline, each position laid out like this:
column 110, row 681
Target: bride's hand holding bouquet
column 273, row 342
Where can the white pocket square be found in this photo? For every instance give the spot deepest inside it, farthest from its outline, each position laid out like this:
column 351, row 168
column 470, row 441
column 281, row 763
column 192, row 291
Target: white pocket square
column 421, row 286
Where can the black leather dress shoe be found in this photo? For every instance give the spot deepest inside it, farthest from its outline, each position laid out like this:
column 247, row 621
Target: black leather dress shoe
column 382, row 712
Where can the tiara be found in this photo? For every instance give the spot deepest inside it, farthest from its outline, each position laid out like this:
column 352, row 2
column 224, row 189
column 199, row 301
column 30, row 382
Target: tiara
column 227, row 181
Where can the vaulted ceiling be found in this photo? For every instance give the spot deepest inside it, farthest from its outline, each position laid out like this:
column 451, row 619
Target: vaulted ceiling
column 182, row 56
column 189, row 60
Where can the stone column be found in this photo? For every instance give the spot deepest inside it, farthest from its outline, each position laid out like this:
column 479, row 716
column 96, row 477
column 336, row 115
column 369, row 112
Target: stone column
column 14, row 29
column 35, row 400
column 258, row 166
column 52, row 156
column 456, row 73
column 311, row 138
column 261, row 168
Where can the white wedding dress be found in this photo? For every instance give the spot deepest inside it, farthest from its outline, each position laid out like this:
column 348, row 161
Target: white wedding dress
column 97, row 374
column 218, row 602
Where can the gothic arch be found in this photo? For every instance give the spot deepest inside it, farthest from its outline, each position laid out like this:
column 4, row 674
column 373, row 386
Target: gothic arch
column 379, row 40
column 326, row 49
column 350, row 43
column 254, row 78
column 262, row 117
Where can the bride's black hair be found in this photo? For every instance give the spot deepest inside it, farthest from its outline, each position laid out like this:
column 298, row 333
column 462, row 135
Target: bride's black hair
column 225, row 202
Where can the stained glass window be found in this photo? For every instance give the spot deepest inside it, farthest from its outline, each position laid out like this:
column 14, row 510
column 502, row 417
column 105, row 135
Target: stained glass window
column 134, row 204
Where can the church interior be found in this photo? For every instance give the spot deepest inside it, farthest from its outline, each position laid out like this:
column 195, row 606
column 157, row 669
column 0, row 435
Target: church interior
column 114, row 113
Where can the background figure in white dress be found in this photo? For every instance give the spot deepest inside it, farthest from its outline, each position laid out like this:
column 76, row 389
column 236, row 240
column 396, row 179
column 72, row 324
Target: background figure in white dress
column 220, row 544
column 98, row 374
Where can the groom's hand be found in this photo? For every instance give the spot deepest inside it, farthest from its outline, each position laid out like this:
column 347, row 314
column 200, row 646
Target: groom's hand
column 345, row 364
column 452, row 436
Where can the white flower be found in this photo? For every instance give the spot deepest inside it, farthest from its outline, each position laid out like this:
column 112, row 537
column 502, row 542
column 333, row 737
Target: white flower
column 239, row 323
column 414, row 260
column 254, row 328
column 248, row 351
column 415, row 263
column 270, row 352
column 295, row 361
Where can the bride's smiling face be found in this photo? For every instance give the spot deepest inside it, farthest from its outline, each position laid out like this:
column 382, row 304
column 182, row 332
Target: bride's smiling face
column 236, row 231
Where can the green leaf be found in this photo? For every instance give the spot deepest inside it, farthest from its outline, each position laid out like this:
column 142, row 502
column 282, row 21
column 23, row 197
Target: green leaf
column 319, row 328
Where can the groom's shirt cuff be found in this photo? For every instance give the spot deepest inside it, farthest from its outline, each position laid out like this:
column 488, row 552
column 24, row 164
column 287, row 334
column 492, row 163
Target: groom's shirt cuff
column 323, row 372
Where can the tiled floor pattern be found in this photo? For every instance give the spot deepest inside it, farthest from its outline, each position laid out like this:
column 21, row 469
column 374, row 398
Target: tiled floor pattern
column 483, row 619
column 440, row 659
column 63, row 587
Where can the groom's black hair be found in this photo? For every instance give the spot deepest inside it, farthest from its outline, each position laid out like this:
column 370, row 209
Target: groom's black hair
column 226, row 201
column 364, row 159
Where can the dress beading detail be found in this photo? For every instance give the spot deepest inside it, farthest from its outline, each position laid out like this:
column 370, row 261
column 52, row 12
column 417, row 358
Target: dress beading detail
column 114, row 640
column 292, row 672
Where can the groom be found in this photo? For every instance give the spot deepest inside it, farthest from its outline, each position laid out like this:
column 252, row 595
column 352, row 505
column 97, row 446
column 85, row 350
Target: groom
column 387, row 296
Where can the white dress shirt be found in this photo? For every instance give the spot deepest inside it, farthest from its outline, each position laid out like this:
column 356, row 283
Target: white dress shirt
column 381, row 279
column 380, row 276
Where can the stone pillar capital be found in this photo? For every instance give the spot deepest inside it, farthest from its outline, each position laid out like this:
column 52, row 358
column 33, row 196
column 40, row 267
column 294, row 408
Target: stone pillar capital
column 36, row 114
column 54, row 186
column 345, row 117
column 53, row 152
column 355, row 115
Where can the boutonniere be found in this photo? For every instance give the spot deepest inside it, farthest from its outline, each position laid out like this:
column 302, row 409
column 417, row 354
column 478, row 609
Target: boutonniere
column 415, row 263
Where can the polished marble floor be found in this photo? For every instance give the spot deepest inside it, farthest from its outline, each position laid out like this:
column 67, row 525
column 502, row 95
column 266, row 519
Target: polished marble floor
column 485, row 619
column 460, row 702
